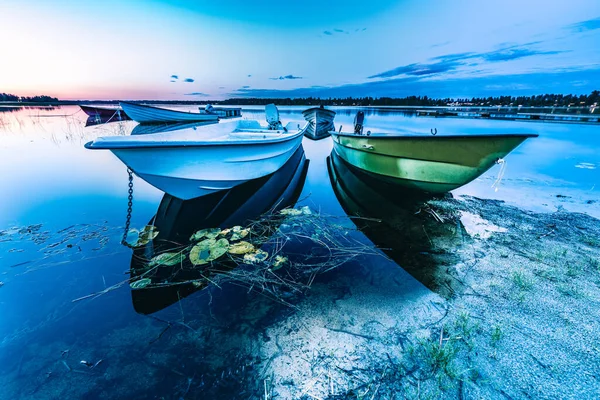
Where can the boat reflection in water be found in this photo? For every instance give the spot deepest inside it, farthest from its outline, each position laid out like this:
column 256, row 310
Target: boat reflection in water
column 97, row 120
column 176, row 220
column 390, row 218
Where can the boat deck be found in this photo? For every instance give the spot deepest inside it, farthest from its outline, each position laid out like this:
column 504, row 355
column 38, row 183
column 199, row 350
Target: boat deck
column 242, row 132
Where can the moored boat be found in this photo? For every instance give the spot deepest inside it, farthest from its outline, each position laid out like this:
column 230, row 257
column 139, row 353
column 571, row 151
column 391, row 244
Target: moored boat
column 221, row 112
column 105, row 113
column 429, row 163
column 149, row 114
column 320, row 122
column 192, row 162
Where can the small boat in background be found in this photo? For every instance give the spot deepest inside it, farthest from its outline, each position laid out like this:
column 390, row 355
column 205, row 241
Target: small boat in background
column 105, row 113
column 320, row 122
column 429, row 163
column 194, row 162
column 221, row 112
column 148, row 114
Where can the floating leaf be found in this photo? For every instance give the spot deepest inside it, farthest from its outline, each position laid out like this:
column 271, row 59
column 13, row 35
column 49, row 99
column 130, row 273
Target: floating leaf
column 210, row 233
column 208, row 250
column 242, row 247
column 147, row 234
column 279, row 262
column 167, row 259
column 239, row 232
column 141, row 283
column 219, row 249
column 256, row 257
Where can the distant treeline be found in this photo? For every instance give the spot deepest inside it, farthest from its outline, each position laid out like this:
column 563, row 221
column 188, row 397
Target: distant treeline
column 558, row 100
column 545, row 100
column 26, row 99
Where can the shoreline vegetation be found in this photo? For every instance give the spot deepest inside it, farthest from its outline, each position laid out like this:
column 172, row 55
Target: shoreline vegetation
column 578, row 103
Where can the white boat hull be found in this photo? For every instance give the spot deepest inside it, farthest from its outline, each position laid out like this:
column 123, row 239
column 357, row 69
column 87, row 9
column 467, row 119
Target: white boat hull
column 147, row 114
column 188, row 172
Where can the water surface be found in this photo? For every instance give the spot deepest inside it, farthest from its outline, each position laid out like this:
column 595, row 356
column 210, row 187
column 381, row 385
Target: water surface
column 62, row 217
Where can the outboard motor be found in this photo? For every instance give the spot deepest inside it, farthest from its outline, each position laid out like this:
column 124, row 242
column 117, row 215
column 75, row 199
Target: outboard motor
column 272, row 115
column 209, row 109
column 359, row 120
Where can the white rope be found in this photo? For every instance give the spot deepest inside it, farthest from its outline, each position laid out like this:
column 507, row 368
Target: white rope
column 496, row 183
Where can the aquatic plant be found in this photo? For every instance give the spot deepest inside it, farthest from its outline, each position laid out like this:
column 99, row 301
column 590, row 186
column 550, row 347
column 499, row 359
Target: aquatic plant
column 249, row 255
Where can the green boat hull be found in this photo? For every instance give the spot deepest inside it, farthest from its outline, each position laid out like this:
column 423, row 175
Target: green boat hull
column 434, row 164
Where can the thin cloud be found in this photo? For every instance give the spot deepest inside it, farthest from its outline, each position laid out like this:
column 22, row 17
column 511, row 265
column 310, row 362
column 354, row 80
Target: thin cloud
column 336, row 31
column 249, row 75
column 189, row 80
column 197, row 94
column 245, row 87
column 578, row 81
column 514, row 54
column 281, row 78
column 589, row 25
column 451, row 62
column 174, row 76
column 419, row 69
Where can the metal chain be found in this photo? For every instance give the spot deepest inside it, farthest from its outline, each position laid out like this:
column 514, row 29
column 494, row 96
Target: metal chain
column 129, row 209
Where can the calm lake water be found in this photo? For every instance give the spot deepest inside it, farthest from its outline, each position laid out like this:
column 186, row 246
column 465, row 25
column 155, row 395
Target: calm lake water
column 62, row 217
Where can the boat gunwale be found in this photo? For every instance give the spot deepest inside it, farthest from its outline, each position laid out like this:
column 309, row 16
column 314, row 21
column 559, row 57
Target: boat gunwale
column 436, row 137
column 312, row 109
column 186, row 144
column 216, row 117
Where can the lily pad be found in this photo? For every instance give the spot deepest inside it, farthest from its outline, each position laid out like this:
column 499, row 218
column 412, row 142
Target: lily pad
column 279, row 262
column 256, row 257
column 242, row 247
column 208, row 250
column 239, row 232
column 168, row 259
column 140, row 284
column 210, row 233
column 147, row 234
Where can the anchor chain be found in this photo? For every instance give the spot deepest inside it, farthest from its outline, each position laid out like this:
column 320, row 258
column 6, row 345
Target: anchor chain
column 129, row 209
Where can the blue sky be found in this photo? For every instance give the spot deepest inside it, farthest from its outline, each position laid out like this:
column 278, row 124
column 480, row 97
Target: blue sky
column 219, row 49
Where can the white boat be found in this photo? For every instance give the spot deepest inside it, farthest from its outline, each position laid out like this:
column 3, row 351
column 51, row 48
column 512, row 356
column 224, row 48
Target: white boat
column 320, row 122
column 190, row 163
column 147, row 114
column 221, row 112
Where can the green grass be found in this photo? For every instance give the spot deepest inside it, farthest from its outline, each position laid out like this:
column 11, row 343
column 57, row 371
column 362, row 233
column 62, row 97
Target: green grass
column 572, row 270
column 591, row 241
column 594, row 263
column 521, row 280
column 497, row 334
column 570, row 290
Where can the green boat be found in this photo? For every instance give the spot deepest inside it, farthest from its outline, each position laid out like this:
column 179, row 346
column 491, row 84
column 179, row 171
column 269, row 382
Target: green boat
column 432, row 163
